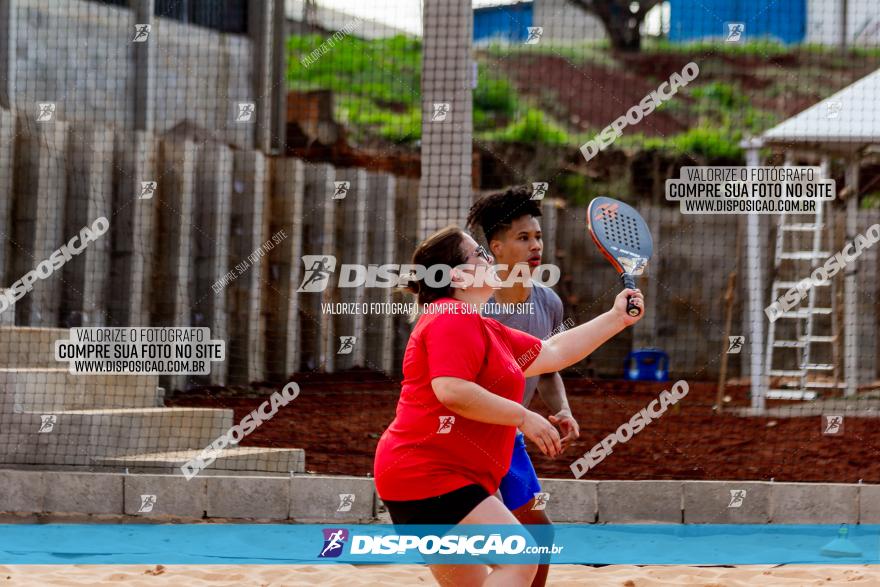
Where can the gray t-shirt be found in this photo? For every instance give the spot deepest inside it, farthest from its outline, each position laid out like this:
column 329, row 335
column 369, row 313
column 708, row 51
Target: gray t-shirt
column 540, row 315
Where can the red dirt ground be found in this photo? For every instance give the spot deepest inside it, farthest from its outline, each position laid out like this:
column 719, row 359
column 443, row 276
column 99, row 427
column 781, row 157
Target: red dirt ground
column 338, row 421
column 587, row 95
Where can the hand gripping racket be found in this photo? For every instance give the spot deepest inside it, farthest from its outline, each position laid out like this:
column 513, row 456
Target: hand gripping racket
column 623, row 237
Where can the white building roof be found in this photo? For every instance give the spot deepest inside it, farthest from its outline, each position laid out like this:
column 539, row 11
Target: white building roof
column 394, row 17
column 849, row 119
column 384, row 18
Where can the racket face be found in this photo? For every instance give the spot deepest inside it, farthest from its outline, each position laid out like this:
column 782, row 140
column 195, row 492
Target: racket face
column 621, row 234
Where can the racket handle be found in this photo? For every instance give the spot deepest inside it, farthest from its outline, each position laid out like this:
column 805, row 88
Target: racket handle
column 629, row 282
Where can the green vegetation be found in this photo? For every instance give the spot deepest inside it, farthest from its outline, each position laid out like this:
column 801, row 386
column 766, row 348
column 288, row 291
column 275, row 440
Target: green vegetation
column 376, row 91
column 724, row 95
column 723, row 112
column 495, row 100
column 597, row 52
column 577, row 188
column 363, row 117
column 708, row 142
column 757, row 48
column 531, row 127
column 870, row 201
column 711, row 143
column 866, row 52
column 763, row 48
column 386, row 70
column 376, row 84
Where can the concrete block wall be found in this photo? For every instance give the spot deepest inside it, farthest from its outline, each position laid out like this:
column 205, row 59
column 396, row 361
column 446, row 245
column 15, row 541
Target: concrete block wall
column 406, row 238
column 322, row 498
column 286, row 270
column 89, row 197
column 133, row 226
column 7, row 165
column 802, row 503
column 200, row 72
column 164, row 253
column 173, row 264
column 318, row 238
column 39, row 187
column 176, row 206
column 380, row 328
column 214, row 165
column 640, row 502
column 352, row 227
column 297, row 498
column 250, row 225
column 711, row 502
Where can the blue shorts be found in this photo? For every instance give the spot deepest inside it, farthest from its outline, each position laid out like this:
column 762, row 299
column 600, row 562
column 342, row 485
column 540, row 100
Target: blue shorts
column 521, row 482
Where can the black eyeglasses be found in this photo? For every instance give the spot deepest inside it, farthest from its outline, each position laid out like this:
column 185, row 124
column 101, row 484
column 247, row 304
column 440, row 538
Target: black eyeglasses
column 482, row 253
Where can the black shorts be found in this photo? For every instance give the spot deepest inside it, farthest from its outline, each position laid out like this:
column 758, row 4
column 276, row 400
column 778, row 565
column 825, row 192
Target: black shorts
column 447, row 509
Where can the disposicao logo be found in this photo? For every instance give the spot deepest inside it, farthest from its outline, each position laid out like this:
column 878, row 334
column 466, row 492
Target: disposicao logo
column 334, row 541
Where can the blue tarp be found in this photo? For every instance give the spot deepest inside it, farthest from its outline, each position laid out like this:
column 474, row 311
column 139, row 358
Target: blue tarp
column 782, row 20
column 666, row 544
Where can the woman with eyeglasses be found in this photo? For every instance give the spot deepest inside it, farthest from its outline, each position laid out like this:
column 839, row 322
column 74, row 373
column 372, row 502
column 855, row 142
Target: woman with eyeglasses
column 442, row 458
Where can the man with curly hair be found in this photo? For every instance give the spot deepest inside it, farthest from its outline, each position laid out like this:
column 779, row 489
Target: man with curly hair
column 509, row 222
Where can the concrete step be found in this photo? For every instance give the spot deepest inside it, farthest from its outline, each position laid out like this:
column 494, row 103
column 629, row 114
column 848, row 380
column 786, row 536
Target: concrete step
column 44, row 389
column 252, row 460
column 77, row 437
column 22, row 347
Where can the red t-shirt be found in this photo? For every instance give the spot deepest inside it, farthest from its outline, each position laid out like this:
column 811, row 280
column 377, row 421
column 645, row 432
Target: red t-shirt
column 424, row 453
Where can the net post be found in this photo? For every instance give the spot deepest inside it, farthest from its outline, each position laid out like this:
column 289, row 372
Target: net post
column 755, row 285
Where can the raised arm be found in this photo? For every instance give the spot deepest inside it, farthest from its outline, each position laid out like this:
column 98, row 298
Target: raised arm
column 570, row 346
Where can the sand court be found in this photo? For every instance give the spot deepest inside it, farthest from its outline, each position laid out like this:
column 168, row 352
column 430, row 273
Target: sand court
column 395, row 575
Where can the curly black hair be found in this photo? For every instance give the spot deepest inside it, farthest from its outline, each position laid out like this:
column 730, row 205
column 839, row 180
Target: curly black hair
column 496, row 212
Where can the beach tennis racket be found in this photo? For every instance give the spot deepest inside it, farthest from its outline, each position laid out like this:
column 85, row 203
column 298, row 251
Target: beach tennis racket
column 623, row 237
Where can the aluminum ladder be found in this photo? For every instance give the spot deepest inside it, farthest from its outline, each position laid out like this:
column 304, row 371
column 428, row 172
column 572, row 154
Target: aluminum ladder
column 808, row 332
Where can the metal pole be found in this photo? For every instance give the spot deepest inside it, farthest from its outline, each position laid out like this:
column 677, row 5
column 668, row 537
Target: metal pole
column 260, row 25
column 850, row 294
column 145, row 68
column 8, row 43
column 755, row 285
column 445, row 191
column 279, row 74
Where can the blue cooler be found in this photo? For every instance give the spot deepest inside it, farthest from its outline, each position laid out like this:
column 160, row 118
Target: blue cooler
column 646, row 365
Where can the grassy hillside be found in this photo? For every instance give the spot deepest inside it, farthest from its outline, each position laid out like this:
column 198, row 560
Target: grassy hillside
column 552, row 99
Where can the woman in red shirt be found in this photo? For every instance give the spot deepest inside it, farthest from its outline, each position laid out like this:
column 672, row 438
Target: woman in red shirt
column 441, row 459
